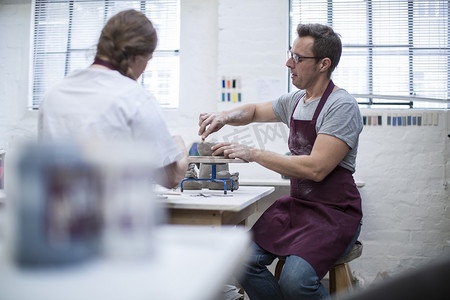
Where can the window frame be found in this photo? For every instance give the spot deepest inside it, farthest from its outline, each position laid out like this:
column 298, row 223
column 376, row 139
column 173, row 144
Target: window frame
column 39, row 83
column 371, row 99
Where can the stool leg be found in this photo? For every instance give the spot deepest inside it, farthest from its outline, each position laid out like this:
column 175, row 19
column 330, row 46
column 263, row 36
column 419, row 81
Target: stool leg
column 279, row 267
column 341, row 278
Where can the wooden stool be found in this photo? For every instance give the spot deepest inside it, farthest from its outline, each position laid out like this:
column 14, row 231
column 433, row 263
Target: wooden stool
column 340, row 274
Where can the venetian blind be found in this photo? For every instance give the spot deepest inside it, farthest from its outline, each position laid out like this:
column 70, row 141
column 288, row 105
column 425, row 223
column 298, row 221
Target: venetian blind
column 395, row 52
column 65, row 33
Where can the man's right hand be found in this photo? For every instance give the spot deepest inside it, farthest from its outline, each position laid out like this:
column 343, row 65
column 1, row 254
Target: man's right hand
column 211, row 122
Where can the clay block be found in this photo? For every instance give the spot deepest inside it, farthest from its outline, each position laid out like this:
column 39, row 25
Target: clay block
column 205, row 172
column 204, row 149
column 191, row 174
column 220, row 186
column 192, row 185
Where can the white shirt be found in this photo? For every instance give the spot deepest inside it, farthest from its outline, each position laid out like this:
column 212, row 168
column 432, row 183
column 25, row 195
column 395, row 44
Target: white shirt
column 104, row 104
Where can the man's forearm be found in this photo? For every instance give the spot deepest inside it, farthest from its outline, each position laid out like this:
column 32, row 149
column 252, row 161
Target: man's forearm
column 242, row 115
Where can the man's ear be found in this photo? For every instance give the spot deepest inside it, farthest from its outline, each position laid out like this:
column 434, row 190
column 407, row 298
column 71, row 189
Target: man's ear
column 325, row 64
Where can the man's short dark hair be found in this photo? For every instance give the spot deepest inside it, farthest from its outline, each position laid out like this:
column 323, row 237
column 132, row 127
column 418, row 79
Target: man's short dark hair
column 327, row 43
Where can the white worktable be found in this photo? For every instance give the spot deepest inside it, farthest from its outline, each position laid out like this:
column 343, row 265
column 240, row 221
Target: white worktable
column 214, row 208
column 172, row 273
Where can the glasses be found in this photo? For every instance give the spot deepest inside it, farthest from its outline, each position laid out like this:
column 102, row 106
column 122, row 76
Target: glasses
column 298, row 58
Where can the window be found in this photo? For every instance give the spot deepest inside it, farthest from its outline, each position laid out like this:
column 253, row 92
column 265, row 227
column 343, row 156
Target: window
column 395, row 52
column 66, row 33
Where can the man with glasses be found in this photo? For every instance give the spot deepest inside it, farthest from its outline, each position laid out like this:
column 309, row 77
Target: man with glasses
column 320, row 220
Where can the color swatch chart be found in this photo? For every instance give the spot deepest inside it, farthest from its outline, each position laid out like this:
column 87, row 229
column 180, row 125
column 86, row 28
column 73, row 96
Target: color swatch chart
column 408, row 119
column 402, row 119
column 231, row 89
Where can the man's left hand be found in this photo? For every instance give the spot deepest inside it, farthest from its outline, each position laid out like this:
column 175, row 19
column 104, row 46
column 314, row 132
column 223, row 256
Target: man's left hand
column 231, row 150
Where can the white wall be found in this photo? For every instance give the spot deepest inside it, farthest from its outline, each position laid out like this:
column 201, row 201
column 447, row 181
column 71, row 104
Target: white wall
column 14, row 60
column 405, row 202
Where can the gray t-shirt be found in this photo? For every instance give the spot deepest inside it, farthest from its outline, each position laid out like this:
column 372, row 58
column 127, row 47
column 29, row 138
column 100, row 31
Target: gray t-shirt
column 340, row 117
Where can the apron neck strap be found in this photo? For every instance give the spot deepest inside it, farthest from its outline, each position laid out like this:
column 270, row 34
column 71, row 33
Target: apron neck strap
column 323, row 99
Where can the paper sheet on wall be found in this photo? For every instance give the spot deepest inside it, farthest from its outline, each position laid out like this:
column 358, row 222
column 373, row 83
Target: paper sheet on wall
column 269, row 89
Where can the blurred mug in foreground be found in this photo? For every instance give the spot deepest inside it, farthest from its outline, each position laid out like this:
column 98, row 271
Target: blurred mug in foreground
column 67, row 205
column 55, row 205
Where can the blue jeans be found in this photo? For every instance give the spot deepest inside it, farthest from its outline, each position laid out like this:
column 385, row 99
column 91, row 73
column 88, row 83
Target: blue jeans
column 298, row 279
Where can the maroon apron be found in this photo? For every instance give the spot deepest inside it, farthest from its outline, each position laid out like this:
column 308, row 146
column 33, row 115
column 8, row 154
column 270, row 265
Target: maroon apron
column 319, row 219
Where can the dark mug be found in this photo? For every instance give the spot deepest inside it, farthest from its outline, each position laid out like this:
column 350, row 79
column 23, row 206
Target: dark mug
column 57, row 206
